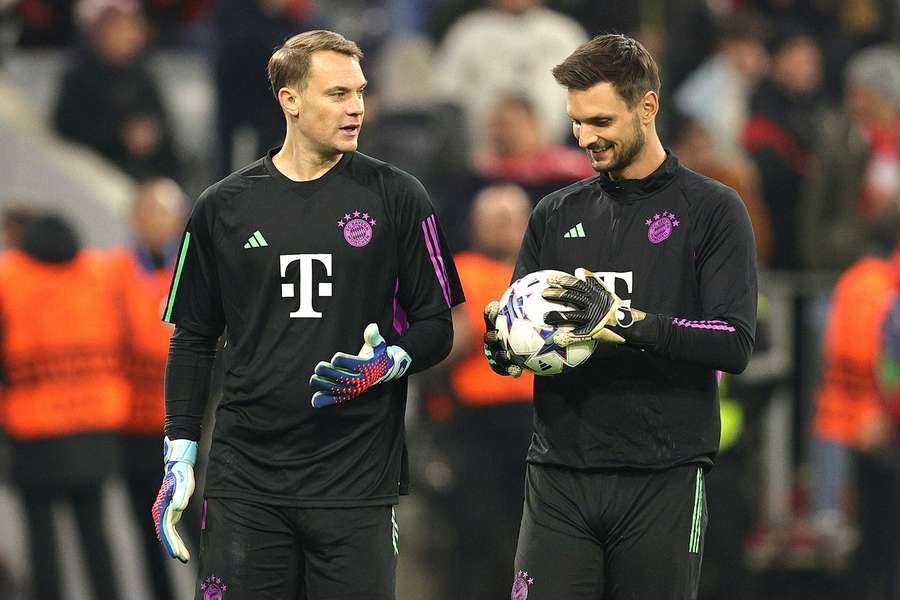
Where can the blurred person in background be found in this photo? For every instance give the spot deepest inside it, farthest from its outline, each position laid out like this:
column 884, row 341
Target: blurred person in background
column 525, row 40
column 851, row 427
column 485, row 419
column 517, row 151
column 856, row 176
column 780, row 134
column 109, row 100
column 143, row 273
column 245, row 33
column 64, row 395
column 717, row 93
column 889, row 386
column 693, row 145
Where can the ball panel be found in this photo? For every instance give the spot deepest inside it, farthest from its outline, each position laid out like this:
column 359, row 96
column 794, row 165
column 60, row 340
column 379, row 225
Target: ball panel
column 521, row 326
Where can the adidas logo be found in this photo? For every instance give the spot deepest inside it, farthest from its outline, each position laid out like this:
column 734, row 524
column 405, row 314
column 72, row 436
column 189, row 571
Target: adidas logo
column 575, row 232
column 256, row 240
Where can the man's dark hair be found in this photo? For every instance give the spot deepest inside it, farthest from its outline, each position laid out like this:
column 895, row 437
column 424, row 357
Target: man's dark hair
column 613, row 58
column 289, row 65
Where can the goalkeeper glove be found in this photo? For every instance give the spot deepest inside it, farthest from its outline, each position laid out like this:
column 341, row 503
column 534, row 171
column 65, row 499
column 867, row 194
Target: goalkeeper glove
column 494, row 349
column 595, row 309
column 348, row 376
column 176, row 490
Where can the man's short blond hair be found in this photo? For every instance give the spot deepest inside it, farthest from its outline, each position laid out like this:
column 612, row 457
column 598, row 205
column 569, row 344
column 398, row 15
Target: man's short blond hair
column 289, row 64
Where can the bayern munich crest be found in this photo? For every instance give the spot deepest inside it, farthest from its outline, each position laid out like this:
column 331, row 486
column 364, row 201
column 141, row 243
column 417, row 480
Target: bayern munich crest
column 213, row 588
column 661, row 227
column 357, row 227
column 520, row 586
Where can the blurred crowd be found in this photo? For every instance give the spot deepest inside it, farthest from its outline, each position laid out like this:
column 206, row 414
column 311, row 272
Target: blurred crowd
column 793, row 103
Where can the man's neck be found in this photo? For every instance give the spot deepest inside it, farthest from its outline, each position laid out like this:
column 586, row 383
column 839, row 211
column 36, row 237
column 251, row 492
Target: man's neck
column 649, row 159
column 298, row 162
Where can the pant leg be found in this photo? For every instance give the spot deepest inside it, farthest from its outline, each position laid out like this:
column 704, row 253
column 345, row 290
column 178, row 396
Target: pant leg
column 655, row 527
column 142, row 489
column 89, row 515
column 557, row 557
column 42, row 544
column 350, row 552
column 248, row 551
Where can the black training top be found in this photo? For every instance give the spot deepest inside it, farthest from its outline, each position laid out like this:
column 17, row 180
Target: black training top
column 295, row 271
column 676, row 244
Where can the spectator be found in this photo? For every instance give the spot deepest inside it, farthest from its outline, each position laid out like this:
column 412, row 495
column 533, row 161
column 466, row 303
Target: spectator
column 850, row 424
column 726, row 80
column 143, row 273
column 526, row 41
column 64, row 394
column 489, row 417
column 780, row 134
column 693, row 145
column 246, row 32
column 857, row 174
column 517, row 151
column 108, row 99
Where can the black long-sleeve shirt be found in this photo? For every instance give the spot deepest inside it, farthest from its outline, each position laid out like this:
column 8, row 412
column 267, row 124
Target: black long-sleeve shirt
column 680, row 247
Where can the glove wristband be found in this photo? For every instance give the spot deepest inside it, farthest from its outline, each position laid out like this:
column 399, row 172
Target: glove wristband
column 402, row 361
column 184, row 451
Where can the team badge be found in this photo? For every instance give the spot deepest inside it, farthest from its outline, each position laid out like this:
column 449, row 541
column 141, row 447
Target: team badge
column 358, row 228
column 213, row 588
column 520, row 586
column 660, row 227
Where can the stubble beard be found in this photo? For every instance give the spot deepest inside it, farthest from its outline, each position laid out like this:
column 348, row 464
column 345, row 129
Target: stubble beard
column 629, row 153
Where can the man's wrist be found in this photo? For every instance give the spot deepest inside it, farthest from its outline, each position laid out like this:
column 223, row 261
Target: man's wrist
column 642, row 333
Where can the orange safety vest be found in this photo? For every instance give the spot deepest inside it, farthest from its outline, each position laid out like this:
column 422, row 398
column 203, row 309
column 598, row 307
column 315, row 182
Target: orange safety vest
column 61, row 344
column 473, row 381
column 848, row 398
column 146, row 348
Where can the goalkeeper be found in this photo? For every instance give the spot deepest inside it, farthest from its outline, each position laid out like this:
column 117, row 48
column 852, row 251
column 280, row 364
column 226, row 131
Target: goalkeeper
column 301, row 257
column 663, row 277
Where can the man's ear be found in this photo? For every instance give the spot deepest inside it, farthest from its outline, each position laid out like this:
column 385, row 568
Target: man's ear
column 289, row 99
column 648, row 106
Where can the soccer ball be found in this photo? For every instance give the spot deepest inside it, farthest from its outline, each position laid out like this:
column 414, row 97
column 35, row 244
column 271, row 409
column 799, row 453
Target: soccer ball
column 521, row 327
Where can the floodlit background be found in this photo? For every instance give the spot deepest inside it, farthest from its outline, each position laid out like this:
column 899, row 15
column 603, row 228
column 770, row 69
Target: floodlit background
column 794, row 103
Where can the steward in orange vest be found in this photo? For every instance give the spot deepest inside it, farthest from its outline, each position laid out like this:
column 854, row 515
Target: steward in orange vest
column 482, row 420
column 61, row 341
column 143, row 273
column 848, row 400
column 64, row 394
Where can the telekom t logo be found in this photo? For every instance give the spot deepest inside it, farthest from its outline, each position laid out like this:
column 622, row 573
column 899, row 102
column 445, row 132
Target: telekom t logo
column 288, row 290
column 610, row 279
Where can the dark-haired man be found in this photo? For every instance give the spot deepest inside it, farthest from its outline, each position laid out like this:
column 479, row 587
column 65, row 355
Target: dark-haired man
column 665, row 282
column 299, row 255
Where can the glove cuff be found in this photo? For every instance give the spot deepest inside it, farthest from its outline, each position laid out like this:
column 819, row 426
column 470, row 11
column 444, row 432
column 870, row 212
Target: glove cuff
column 184, row 451
column 401, row 359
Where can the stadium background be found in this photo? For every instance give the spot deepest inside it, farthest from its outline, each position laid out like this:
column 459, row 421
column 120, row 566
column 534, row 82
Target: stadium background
column 458, row 88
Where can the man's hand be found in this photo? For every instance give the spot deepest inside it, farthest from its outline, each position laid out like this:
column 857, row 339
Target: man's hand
column 347, row 376
column 494, row 350
column 177, row 487
column 595, row 309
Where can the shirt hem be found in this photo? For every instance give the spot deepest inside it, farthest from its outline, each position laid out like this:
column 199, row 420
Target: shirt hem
column 277, row 500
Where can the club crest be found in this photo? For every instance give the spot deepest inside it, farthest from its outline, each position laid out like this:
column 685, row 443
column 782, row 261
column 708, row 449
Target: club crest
column 661, row 226
column 520, row 586
column 358, row 228
column 213, row 588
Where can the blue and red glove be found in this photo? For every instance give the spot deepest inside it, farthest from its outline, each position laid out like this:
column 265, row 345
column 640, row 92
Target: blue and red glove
column 174, row 494
column 347, row 376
